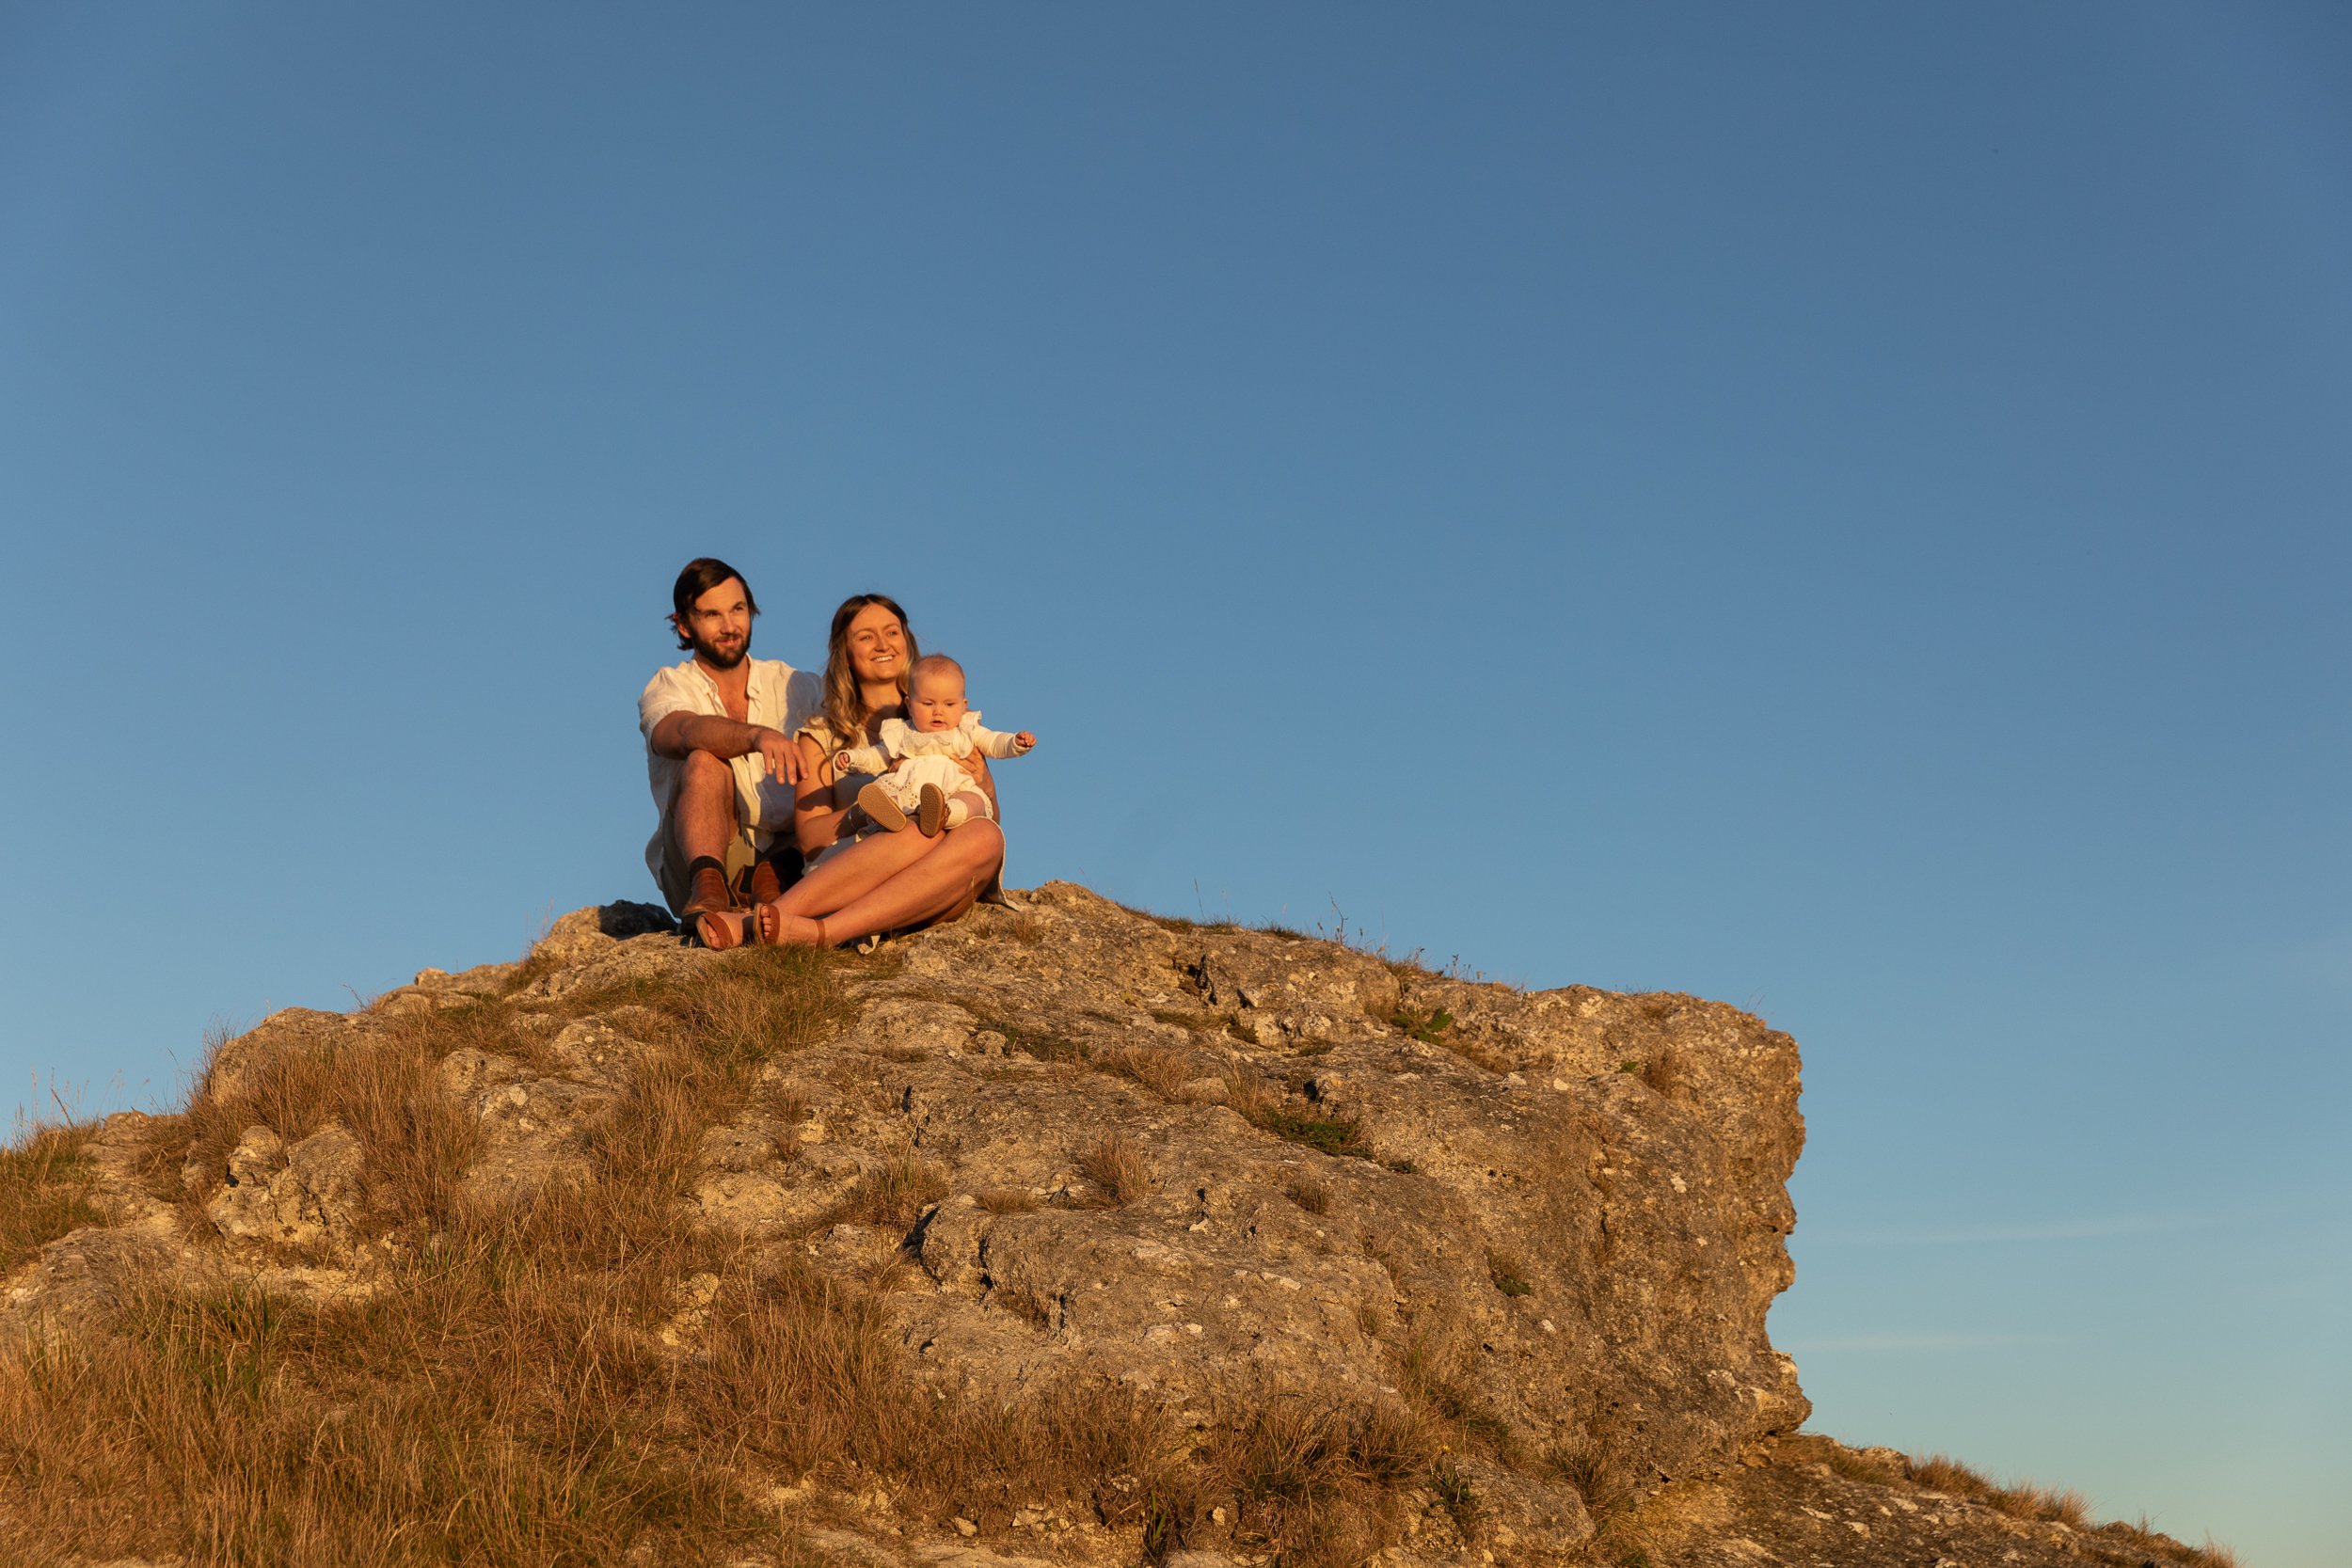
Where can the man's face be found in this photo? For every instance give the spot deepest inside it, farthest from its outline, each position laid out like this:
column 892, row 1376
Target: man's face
column 719, row 625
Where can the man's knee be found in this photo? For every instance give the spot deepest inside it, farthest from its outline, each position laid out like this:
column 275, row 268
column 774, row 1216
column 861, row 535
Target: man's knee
column 705, row 774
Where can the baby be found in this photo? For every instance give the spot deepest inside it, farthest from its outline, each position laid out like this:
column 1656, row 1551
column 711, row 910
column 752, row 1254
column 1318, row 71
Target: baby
column 916, row 758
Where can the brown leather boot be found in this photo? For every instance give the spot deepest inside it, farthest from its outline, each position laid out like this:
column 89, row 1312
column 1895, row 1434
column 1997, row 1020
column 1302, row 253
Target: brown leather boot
column 708, row 900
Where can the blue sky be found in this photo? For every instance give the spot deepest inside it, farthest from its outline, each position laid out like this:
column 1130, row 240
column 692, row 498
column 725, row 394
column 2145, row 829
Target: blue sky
column 1842, row 509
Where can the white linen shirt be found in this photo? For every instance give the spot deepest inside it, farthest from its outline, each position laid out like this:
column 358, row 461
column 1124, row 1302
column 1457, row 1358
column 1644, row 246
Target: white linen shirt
column 780, row 697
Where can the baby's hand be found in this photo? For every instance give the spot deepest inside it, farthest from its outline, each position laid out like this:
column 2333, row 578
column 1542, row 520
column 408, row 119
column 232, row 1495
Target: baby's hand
column 1024, row 740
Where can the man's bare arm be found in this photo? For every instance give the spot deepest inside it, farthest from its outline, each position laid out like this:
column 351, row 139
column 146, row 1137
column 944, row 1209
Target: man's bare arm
column 680, row 733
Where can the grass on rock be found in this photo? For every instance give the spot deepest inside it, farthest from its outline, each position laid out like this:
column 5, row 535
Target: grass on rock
column 1116, row 1165
column 503, row 1389
column 43, row 1190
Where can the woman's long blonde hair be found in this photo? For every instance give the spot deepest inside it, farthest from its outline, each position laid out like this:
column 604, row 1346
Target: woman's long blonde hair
column 846, row 712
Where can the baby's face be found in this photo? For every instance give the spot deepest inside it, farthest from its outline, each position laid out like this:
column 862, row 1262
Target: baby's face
column 937, row 701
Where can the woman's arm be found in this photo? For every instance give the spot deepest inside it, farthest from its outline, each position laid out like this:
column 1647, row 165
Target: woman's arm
column 815, row 820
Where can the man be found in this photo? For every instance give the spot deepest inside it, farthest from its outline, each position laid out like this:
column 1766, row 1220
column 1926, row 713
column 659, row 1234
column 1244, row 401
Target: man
column 718, row 751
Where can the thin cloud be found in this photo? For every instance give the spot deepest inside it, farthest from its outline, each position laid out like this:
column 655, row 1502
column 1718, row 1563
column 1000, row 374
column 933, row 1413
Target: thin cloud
column 1908, row 1340
column 2030, row 1230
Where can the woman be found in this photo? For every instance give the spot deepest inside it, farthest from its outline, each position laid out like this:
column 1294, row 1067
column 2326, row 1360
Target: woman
column 860, row 884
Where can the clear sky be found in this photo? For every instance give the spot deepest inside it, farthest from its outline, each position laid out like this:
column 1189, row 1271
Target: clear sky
column 1840, row 509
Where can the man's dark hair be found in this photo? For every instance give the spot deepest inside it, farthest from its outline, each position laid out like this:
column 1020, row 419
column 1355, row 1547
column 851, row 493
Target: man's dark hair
column 701, row 575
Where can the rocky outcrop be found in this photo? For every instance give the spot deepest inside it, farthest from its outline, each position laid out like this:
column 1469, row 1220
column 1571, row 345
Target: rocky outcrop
column 1563, row 1213
column 1065, row 1144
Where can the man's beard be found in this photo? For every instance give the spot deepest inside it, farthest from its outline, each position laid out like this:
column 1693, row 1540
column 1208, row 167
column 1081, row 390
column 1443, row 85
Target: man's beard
column 715, row 658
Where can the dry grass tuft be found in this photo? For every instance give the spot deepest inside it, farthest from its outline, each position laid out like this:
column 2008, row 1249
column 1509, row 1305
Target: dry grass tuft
column 1114, row 1163
column 1160, row 1071
column 1248, row 1094
column 761, row 1002
column 2143, row 1535
column 1006, row 1201
column 1318, row 1483
column 1585, row 1467
column 487, row 1407
column 1023, row 1300
column 1440, row 1381
column 2020, row 1499
column 895, row 1197
column 1310, row 1195
column 43, row 1190
column 382, row 1083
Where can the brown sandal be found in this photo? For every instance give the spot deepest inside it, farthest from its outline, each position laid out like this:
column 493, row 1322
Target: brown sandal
column 758, row 931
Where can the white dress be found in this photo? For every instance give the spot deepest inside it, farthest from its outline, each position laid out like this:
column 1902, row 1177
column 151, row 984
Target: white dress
column 909, row 758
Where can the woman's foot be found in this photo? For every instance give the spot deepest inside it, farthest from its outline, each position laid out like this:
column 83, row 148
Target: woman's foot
column 772, row 927
column 720, row 930
column 876, row 803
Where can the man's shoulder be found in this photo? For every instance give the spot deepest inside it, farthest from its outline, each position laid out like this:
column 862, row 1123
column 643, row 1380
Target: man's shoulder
column 673, row 686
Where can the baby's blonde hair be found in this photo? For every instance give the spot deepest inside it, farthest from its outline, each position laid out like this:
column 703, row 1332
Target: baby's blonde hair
column 927, row 663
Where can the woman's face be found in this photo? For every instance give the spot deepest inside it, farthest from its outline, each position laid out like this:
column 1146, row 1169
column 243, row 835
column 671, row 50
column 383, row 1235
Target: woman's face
column 877, row 644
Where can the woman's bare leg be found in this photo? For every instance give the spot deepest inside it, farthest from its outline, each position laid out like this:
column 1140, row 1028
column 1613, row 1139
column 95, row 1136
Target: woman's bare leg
column 851, row 873
column 937, row 884
column 948, row 878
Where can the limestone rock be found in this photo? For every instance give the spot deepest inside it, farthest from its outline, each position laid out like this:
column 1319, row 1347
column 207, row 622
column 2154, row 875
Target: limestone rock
column 607, row 945
column 288, row 1029
column 1064, row 1142
column 298, row 1194
column 531, row 1126
column 1561, row 1245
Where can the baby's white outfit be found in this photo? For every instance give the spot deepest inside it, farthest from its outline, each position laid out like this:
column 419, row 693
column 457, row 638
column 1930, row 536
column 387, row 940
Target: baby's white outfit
column 909, row 758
